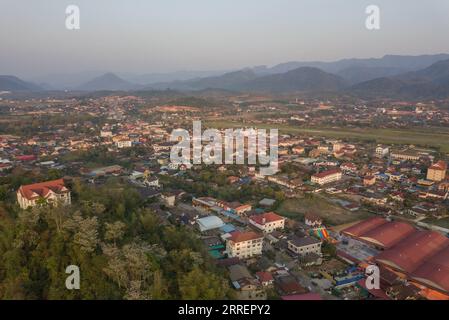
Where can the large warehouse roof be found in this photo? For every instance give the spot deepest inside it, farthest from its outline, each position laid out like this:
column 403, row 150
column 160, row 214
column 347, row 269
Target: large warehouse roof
column 422, row 255
column 388, row 234
column 414, row 250
column 362, row 227
column 435, row 271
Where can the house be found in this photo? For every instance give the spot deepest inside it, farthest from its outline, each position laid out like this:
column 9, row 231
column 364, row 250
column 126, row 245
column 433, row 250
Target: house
column 313, row 221
column 282, row 181
column 288, row 285
column 123, row 144
column 327, row 176
column 267, row 222
column 437, row 171
column 169, row 199
column 267, row 202
column 244, row 244
column 348, row 167
column 235, row 207
column 298, row 150
column 54, row 192
column 304, row 245
column 152, row 182
column 265, row 278
column 369, row 180
column 242, row 280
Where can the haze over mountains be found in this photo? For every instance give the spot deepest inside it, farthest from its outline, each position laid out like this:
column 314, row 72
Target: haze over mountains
column 12, row 83
column 393, row 76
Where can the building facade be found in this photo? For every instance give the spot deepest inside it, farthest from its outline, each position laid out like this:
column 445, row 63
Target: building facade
column 244, row 244
column 267, row 222
column 52, row 192
column 327, row 176
column 304, row 246
column 437, row 172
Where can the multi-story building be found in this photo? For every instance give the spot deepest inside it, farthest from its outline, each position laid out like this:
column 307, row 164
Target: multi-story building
column 327, row 176
column 382, row 151
column 437, row 172
column 244, row 244
column 305, row 245
column 267, row 222
column 52, row 192
column 408, row 155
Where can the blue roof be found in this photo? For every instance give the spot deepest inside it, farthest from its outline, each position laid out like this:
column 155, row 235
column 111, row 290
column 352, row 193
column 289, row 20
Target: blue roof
column 227, row 228
column 209, row 223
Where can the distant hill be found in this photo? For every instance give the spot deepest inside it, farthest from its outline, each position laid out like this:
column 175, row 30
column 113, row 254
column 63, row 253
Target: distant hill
column 107, row 81
column 430, row 82
column 227, row 81
column 12, row 83
column 400, row 62
column 300, row 79
column 359, row 74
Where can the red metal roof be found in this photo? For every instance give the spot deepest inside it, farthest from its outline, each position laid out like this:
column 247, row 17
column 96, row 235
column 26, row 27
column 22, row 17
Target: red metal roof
column 435, row 271
column 364, row 226
column 327, row 173
column 238, row 236
column 388, row 234
column 413, row 251
column 268, row 216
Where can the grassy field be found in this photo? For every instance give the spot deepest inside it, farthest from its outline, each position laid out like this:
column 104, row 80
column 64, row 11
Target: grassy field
column 444, row 222
column 331, row 213
column 436, row 137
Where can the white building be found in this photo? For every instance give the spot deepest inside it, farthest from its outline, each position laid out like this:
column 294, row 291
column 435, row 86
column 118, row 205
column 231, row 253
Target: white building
column 124, row 144
column 382, row 151
column 267, row 222
column 304, row 246
column 244, row 244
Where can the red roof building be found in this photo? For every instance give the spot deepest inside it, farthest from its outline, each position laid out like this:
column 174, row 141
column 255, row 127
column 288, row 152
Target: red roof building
column 51, row 191
column 244, row 244
column 267, row 222
column 388, row 234
column 421, row 256
column 363, row 227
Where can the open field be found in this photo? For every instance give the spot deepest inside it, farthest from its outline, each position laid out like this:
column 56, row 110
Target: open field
column 443, row 223
column 432, row 137
column 331, row 213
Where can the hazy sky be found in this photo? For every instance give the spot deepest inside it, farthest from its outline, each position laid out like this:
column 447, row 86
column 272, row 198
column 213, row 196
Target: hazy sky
column 145, row 36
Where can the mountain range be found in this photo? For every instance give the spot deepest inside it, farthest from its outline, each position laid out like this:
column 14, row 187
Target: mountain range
column 107, row 81
column 394, row 76
column 12, row 83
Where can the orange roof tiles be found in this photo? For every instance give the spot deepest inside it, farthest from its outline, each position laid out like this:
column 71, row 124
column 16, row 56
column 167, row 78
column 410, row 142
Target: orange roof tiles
column 33, row 191
column 238, row 236
column 268, row 216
